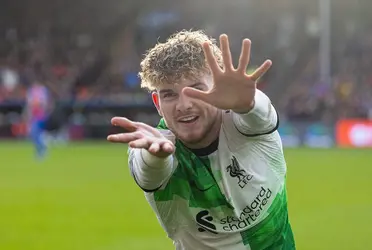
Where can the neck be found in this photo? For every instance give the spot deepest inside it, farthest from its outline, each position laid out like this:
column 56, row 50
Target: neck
column 210, row 137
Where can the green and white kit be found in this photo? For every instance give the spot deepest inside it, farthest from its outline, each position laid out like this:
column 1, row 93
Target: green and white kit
column 230, row 196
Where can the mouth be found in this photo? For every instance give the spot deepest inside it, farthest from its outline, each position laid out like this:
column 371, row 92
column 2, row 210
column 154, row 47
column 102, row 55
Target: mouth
column 188, row 119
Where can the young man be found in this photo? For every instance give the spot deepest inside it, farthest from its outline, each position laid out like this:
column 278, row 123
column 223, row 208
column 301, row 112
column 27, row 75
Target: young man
column 213, row 171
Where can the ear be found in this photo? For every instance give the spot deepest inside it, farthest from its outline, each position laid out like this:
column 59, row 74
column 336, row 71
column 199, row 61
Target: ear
column 155, row 100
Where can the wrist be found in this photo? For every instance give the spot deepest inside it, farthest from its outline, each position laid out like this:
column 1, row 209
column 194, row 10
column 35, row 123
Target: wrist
column 153, row 160
column 261, row 106
column 245, row 110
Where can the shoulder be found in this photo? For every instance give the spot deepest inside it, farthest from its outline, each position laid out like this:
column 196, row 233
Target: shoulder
column 228, row 127
column 233, row 136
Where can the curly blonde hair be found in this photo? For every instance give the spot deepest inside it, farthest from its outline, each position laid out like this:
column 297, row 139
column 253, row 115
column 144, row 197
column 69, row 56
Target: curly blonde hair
column 181, row 56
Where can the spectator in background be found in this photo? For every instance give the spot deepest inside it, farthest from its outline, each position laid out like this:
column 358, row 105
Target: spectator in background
column 9, row 79
column 37, row 107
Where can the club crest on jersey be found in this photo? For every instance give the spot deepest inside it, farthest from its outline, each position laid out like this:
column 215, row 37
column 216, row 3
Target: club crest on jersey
column 236, row 171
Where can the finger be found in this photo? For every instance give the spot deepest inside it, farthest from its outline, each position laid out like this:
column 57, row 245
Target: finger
column 144, row 126
column 226, row 53
column 132, row 126
column 168, row 147
column 124, row 123
column 261, row 70
column 154, row 148
column 124, row 137
column 245, row 55
column 211, row 59
column 140, row 143
column 196, row 94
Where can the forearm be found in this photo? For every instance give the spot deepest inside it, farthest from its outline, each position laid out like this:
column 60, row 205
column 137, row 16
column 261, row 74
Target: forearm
column 149, row 171
column 262, row 118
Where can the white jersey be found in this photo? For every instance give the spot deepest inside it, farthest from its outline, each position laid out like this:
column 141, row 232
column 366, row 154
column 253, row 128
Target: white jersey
column 229, row 196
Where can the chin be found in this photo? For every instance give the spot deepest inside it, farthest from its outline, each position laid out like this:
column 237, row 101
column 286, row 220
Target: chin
column 191, row 138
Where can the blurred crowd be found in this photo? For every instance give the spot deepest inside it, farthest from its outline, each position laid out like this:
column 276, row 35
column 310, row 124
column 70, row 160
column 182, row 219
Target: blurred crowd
column 347, row 94
column 51, row 58
column 98, row 64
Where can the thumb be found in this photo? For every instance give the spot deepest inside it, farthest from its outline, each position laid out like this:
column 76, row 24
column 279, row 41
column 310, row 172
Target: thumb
column 196, row 94
column 261, row 70
column 168, row 147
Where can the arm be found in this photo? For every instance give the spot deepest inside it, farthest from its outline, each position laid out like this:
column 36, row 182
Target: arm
column 149, row 172
column 261, row 119
column 150, row 153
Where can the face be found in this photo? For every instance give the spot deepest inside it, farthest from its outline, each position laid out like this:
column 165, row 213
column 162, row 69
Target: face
column 194, row 122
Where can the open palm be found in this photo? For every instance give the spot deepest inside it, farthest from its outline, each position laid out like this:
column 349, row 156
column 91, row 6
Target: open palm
column 233, row 88
column 140, row 135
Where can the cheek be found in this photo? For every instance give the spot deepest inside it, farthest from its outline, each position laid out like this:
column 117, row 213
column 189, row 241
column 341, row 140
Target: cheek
column 166, row 111
column 162, row 109
column 210, row 112
column 208, row 117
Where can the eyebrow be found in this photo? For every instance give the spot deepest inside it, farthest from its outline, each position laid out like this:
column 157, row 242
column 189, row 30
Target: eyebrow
column 163, row 91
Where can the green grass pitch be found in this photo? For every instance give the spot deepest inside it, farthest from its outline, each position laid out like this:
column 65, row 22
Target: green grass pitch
column 83, row 198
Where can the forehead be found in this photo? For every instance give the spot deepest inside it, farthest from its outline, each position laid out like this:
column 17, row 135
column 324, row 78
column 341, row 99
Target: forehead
column 203, row 80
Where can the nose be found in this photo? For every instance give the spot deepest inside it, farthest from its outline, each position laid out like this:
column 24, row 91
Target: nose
column 184, row 103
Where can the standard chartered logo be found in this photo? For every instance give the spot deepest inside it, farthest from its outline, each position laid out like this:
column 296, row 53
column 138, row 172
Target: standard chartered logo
column 248, row 216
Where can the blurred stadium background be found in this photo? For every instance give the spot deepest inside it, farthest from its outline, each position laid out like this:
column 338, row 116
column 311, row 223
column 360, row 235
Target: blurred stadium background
column 88, row 52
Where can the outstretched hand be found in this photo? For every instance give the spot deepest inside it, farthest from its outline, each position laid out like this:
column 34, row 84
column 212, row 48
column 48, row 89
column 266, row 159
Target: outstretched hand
column 143, row 136
column 233, row 88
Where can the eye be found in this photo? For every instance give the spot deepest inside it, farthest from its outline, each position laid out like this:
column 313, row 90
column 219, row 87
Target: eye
column 199, row 87
column 169, row 95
